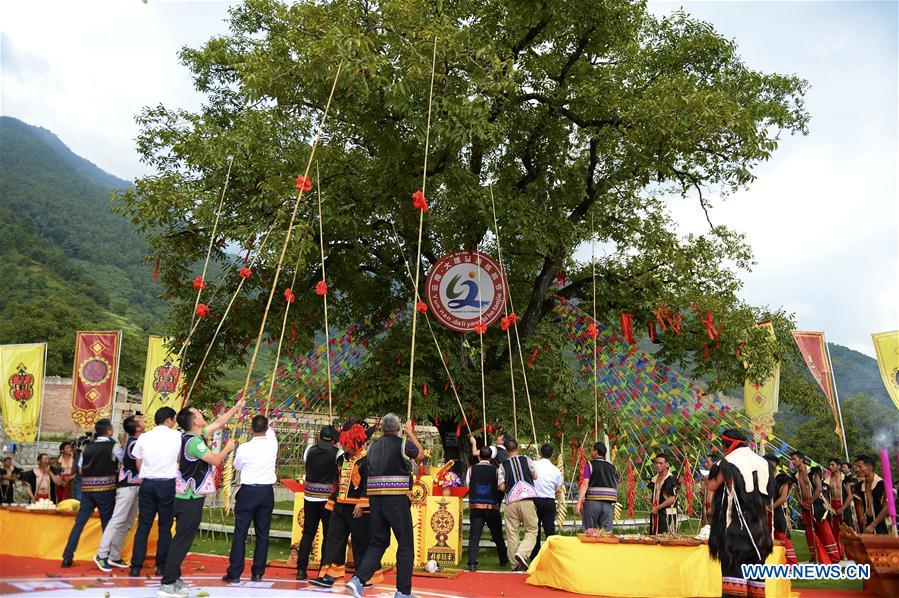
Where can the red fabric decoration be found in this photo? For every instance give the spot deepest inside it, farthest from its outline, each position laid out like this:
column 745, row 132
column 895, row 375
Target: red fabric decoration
column 480, row 327
column 321, row 288
column 424, row 392
column 687, row 482
column 354, row 438
column 288, row 295
column 740, row 348
column 627, row 327
column 202, row 310
column 631, row 487
column 304, row 183
column 504, row 323
column 652, row 332
column 421, row 306
column 592, row 331
column 199, row 283
column 533, row 356
column 156, row 269
column 708, row 321
column 419, row 201
column 513, row 317
column 245, row 273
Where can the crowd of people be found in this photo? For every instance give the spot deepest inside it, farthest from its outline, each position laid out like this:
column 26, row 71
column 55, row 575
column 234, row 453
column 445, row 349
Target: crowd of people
column 358, row 491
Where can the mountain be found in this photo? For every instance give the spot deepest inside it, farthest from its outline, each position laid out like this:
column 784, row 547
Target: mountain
column 72, row 262
column 856, row 373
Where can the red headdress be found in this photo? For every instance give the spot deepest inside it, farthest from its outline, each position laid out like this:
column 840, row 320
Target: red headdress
column 353, row 438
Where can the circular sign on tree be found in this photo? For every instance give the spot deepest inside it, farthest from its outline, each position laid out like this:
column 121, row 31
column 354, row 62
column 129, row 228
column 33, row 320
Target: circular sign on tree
column 465, row 287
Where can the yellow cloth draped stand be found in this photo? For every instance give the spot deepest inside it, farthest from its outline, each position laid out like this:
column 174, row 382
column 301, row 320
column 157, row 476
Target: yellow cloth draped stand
column 42, row 534
column 568, row 564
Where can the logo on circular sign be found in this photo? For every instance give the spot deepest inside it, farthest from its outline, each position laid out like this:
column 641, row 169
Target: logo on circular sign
column 465, row 287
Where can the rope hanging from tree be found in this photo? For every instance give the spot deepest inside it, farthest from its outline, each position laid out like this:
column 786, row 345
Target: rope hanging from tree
column 420, row 202
column 513, row 321
column 505, row 322
column 289, row 302
column 324, row 293
column 227, row 311
column 302, row 185
column 424, row 312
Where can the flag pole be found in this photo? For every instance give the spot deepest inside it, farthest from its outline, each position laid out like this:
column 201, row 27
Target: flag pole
column 836, row 395
column 40, row 417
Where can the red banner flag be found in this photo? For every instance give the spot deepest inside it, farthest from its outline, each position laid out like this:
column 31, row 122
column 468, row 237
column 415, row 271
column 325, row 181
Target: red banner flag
column 94, row 376
column 813, row 347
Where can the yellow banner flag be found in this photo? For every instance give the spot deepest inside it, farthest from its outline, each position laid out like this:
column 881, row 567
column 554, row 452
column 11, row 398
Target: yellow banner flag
column 163, row 383
column 886, row 344
column 761, row 400
column 22, row 368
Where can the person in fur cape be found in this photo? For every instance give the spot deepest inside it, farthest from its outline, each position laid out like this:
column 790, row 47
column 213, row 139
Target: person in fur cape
column 743, row 487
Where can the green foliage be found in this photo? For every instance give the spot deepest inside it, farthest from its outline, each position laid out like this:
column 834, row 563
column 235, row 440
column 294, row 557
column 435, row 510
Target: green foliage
column 575, row 113
column 73, row 264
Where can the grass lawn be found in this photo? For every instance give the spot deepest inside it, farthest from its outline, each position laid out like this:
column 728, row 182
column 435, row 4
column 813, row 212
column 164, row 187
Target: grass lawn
column 279, row 548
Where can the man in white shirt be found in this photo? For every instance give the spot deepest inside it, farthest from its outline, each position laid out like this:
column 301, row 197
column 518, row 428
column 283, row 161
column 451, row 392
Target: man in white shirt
column 156, row 453
column 255, row 501
column 547, row 484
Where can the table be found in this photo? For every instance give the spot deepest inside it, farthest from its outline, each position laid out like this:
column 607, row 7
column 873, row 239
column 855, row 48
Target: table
column 43, row 534
column 632, row 570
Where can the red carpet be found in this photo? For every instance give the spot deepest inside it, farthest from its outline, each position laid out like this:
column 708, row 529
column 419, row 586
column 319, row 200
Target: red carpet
column 205, row 571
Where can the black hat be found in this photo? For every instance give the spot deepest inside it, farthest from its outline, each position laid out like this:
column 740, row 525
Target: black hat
column 369, row 431
column 327, row 433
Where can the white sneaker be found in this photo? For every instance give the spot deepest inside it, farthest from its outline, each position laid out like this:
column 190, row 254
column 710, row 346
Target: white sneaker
column 170, row 591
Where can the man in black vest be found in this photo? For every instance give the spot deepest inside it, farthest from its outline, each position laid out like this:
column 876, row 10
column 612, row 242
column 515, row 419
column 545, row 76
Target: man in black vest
column 98, row 467
column 389, row 487
column 109, row 554
column 321, row 477
column 598, row 491
column 194, row 482
column 515, row 478
column 483, row 503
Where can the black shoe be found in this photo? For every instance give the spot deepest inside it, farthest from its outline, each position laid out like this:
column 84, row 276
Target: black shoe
column 472, row 568
column 134, row 572
column 256, row 578
column 518, row 569
column 302, row 576
column 227, row 579
column 66, row 563
column 522, row 560
column 325, row 581
column 368, row 585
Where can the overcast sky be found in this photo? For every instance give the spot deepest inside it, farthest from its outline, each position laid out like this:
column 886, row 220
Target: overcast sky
column 822, row 216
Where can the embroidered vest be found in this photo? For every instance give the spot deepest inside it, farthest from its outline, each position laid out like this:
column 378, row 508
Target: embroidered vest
column 193, row 474
column 321, row 470
column 603, row 484
column 483, row 492
column 128, row 474
column 389, row 472
column 519, row 483
column 98, row 467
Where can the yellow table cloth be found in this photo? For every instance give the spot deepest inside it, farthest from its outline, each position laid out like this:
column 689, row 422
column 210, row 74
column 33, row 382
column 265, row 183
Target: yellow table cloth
column 635, row 570
column 43, row 535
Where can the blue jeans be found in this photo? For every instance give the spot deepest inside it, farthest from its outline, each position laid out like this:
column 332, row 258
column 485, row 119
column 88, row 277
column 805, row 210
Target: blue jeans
column 155, row 497
column 103, row 502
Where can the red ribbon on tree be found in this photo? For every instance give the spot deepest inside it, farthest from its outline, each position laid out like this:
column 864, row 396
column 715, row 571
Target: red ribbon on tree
column 199, row 283
column 421, row 306
column 631, row 487
column 288, row 295
column 480, row 327
column 321, row 288
column 652, row 332
column 245, row 273
column 513, row 317
column 419, row 201
column 592, row 331
column 304, row 183
column 627, row 327
column 156, row 269
column 504, row 323
column 202, row 310
column 533, row 356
